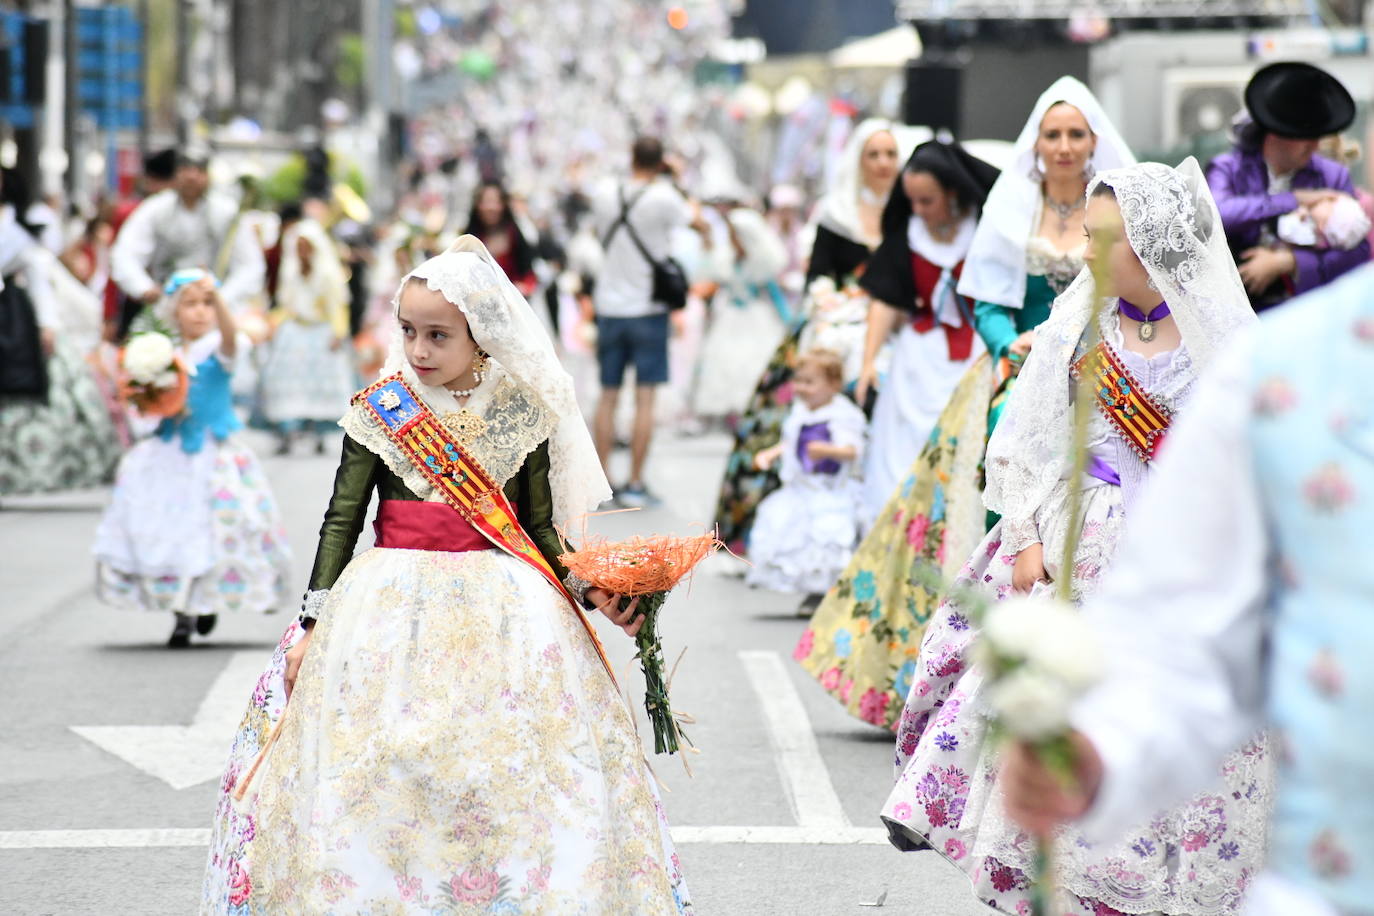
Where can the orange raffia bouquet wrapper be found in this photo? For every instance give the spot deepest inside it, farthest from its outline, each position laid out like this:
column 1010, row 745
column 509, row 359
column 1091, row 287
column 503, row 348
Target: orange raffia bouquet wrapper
column 647, row 568
column 152, row 377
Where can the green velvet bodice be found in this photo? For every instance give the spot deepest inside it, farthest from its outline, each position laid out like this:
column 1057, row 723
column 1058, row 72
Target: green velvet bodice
column 361, row 473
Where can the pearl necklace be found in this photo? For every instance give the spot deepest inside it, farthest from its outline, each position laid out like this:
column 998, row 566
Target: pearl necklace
column 479, row 372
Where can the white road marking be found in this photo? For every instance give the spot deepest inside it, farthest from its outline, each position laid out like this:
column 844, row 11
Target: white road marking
column 185, row 755
column 804, row 774
column 686, row 836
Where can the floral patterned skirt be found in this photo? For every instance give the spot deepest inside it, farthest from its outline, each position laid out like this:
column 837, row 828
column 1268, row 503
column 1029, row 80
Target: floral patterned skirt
column 66, row 443
column 453, row 745
column 1196, row 859
column 863, row 639
column 305, row 375
column 192, row 533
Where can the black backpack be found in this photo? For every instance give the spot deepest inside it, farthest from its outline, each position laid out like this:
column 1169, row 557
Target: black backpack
column 670, row 280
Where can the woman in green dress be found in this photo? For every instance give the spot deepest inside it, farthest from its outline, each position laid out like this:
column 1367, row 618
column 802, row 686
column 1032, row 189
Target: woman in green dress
column 864, row 639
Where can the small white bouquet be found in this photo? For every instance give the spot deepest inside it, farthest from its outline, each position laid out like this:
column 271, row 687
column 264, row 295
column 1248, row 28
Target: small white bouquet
column 154, row 379
column 1038, row 656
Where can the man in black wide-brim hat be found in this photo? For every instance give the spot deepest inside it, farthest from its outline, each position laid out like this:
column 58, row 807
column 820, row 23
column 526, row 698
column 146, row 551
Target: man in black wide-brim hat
column 1274, row 170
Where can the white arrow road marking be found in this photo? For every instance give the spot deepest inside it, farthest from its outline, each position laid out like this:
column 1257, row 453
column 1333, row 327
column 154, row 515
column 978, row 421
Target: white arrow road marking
column 185, row 755
column 128, row 839
column 804, row 775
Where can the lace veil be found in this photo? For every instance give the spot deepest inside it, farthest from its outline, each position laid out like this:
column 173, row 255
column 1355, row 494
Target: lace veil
column 300, row 292
column 504, row 325
column 995, row 269
column 1173, row 226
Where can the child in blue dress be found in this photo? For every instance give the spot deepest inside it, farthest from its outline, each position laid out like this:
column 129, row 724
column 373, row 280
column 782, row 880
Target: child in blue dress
column 192, row 527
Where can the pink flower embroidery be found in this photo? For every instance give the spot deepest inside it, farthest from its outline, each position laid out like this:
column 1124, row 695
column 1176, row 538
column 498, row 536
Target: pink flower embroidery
column 240, row 885
column 1194, row 841
column 1326, row 674
column 846, row 689
column 916, row 531
column 831, row 679
column 805, row 645
column 475, row 885
column 539, row 877
column 1273, row 396
column 922, row 688
column 955, row 849
column 1329, row 489
column 901, row 811
column 408, row 887
column 1023, row 908
column 873, row 706
column 900, row 518
column 1329, row 856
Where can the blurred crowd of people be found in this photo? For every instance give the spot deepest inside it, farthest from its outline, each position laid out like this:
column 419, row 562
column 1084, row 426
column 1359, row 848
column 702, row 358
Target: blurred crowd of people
column 889, row 363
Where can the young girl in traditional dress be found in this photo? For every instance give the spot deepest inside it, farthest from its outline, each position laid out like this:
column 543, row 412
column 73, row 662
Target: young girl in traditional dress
column 192, row 527
column 308, row 376
column 1175, row 299
column 806, row 530
column 454, row 740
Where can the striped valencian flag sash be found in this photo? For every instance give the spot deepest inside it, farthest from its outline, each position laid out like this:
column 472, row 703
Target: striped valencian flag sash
column 1140, row 419
column 463, row 483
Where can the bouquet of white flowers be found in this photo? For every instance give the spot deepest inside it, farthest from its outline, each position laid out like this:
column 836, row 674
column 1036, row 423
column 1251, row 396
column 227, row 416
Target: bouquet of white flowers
column 155, row 380
column 1039, row 656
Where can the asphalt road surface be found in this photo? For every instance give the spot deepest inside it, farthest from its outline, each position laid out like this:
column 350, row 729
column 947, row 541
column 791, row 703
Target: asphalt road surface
column 112, row 745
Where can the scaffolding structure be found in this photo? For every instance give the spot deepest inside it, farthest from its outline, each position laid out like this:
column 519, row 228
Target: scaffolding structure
column 932, row 10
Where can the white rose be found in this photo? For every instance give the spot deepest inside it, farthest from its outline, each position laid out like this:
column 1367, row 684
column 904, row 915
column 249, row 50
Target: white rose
column 1068, row 651
column 147, row 356
column 1012, row 625
column 1030, row 705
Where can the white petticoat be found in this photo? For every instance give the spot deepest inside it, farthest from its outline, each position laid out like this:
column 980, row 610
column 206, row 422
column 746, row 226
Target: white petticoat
column 453, row 745
column 804, row 534
column 738, row 346
column 193, row 533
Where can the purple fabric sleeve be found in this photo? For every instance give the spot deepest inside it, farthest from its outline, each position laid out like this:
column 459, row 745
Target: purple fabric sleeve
column 1241, row 194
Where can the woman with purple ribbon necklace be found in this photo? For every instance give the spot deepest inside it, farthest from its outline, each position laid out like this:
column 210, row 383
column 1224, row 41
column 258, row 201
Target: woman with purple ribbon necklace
column 1154, row 236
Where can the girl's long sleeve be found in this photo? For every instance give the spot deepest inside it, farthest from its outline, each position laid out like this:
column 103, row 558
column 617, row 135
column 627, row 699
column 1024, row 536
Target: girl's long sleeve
column 354, row 482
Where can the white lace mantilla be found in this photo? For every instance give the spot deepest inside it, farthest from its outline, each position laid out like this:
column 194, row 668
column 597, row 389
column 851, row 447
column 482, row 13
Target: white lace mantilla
column 1173, row 226
column 512, row 424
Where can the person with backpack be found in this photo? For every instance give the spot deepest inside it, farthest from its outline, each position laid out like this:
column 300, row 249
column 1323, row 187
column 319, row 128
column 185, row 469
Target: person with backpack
column 637, row 286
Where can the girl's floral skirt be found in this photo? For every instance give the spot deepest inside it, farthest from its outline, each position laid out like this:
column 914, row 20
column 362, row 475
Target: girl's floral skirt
column 863, row 639
column 1196, row 859
column 192, row 533
column 453, row 745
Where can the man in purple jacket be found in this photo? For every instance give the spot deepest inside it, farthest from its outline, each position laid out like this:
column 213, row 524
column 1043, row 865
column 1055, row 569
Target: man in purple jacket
column 1274, row 170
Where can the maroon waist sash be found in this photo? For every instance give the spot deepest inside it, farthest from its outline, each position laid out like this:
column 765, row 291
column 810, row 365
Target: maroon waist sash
column 411, row 525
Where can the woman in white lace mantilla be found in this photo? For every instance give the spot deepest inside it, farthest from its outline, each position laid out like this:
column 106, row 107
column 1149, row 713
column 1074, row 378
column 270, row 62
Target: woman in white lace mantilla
column 453, row 741
column 1175, row 298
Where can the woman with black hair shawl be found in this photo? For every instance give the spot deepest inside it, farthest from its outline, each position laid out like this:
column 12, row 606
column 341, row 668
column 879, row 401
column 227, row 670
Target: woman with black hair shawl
column 927, row 229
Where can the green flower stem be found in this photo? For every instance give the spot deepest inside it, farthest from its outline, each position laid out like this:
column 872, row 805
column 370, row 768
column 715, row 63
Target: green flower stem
column 650, row 655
